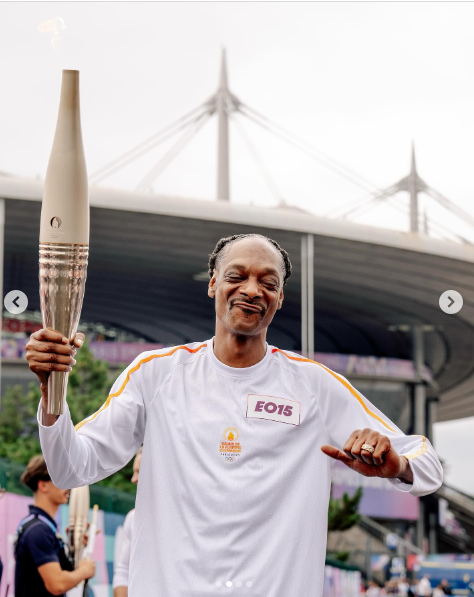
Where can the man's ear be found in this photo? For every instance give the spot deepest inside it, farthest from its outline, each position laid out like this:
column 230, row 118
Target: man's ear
column 43, row 486
column 211, row 290
column 280, row 299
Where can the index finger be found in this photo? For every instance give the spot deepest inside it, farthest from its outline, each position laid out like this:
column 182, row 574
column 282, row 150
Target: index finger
column 49, row 335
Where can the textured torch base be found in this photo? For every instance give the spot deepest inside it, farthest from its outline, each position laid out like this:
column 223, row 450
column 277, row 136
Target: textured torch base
column 62, row 275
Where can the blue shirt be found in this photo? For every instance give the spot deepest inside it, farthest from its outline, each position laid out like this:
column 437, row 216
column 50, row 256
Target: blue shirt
column 37, row 545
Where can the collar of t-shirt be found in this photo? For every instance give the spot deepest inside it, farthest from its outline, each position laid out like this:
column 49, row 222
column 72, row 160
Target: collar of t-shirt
column 237, row 371
column 37, row 511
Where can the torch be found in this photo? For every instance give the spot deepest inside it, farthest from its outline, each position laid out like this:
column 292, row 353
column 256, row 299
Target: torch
column 64, row 231
column 92, row 533
column 90, row 544
column 78, row 515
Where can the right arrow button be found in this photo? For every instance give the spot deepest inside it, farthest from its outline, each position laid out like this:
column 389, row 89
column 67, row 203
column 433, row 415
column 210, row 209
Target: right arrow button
column 451, row 302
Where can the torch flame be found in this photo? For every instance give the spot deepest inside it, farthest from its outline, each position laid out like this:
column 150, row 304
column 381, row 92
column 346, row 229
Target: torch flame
column 53, row 26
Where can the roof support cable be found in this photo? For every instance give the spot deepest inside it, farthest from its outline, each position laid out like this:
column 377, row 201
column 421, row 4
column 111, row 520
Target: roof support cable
column 166, row 160
column 370, row 202
column 440, row 229
column 151, row 142
column 308, row 149
column 263, row 170
column 449, row 205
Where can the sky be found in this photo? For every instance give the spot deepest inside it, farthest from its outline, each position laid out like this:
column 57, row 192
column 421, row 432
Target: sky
column 358, row 81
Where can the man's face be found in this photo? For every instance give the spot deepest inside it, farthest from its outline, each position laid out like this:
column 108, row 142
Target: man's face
column 55, row 495
column 136, row 468
column 247, row 286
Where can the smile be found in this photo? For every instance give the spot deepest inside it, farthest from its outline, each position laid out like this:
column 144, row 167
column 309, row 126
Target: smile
column 248, row 307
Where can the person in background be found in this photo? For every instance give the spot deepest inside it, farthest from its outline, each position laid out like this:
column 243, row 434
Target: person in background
column 120, row 581
column 445, row 587
column 42, row 566
column 423, row 588
column 373, row 589
column 438, row 591
column 403, row 587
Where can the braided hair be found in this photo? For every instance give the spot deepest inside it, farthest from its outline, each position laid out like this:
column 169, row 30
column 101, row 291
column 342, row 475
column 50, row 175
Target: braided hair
column 216, row 256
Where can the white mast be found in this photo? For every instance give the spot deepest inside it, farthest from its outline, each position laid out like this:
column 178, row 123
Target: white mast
column 223, row 134
column 413, row 190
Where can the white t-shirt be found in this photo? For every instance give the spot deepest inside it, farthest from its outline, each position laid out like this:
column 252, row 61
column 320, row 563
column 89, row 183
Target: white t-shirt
column 233, row 490
column 424, row 587
column 122, row 564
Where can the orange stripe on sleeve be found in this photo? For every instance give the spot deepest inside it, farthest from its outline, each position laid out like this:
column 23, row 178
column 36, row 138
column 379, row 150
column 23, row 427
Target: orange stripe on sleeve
column 420, row 452
column 344, row 383
column 137, row 366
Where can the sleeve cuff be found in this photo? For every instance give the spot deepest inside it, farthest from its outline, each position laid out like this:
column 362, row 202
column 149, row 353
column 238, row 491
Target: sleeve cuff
column 39, row 416
column 46, row 560
column 58, row 423
column 119, row 580
column 403, row 485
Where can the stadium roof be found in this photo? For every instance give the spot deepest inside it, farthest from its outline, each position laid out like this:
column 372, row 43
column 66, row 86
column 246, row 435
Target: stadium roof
column 148, row 253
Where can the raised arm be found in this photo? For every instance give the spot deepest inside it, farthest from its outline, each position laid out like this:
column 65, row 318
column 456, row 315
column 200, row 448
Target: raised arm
column 101, row 444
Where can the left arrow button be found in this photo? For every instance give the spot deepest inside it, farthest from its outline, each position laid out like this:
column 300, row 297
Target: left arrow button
column 15, row 302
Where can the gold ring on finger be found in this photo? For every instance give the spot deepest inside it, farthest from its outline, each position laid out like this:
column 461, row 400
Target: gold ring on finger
column 368, row 448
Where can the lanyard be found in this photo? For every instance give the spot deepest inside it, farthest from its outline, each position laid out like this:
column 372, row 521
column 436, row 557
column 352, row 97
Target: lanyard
column 51, row 525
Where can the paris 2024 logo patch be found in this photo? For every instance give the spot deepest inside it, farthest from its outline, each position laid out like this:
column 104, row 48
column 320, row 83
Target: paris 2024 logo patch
column 230, row 447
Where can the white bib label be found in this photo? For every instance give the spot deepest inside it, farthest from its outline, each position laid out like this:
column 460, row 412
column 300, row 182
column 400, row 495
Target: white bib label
column 281, row 410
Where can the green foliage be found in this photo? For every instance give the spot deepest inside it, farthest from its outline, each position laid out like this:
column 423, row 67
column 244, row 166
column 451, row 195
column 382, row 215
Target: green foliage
column 343, row 512
column 342, row 515
column 18, row 429
column 341, row 556
column 88, row 387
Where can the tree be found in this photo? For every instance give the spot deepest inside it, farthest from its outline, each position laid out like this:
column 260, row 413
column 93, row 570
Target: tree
column 342, row 515
column 88, row 387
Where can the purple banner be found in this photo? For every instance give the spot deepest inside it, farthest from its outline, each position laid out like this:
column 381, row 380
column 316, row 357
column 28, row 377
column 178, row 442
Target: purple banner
column 380, row 498
column 120, row 352
column 14, row 348
column 347, row 364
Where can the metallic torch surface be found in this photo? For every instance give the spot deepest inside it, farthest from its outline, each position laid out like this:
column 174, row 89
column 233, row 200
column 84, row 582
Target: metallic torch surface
column 79, row 502
column 64, row 231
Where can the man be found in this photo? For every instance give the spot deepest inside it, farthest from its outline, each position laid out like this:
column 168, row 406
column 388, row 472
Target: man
column 445, row 586
column 423, row 588
column 403, row 587
column 42, row 567
column 120, row 581
column 235, row 479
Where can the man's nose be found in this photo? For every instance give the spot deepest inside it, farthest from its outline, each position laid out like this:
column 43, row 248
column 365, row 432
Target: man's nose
column 250, row 288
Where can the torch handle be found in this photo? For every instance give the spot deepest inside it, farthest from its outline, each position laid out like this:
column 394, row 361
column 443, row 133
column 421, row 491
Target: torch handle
column 62, row 274
column 85, row 590
column 57, row 385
